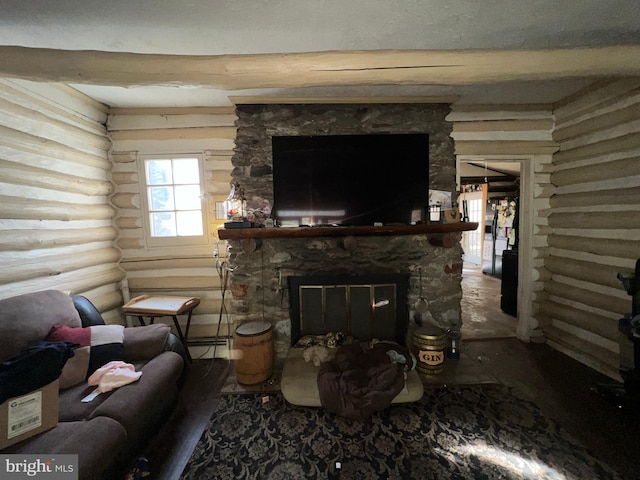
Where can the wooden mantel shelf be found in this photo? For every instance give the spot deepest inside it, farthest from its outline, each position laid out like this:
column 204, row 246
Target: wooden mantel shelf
column 307, row 232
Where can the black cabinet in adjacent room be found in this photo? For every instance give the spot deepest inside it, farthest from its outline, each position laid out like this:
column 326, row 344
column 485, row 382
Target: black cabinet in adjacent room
column 509, row 287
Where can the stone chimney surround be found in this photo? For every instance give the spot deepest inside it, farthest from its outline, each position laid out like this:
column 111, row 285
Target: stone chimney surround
column 259, row 277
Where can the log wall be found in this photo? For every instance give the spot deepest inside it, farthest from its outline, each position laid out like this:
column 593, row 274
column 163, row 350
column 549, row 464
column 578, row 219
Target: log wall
column 595, row 223
column 183, row 271
column 56, row 227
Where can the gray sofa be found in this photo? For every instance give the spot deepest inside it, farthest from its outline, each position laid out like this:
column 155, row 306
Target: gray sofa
column 106, row 432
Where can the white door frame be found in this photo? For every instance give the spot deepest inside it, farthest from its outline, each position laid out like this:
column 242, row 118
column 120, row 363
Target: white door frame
column 526, row 322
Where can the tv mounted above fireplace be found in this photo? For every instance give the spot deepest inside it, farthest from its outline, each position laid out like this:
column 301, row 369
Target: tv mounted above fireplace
column 350, row 179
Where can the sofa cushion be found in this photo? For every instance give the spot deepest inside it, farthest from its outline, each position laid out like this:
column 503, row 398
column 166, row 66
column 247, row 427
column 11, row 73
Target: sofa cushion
column 99, row 345
column 26, row 319
column 145, row 342
column 132, row 405
column 96, row 442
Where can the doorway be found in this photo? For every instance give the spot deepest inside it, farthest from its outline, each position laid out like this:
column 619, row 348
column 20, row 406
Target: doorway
column 484, row 185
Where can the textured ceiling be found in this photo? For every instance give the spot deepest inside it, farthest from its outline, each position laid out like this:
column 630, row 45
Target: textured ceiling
column 206, row 27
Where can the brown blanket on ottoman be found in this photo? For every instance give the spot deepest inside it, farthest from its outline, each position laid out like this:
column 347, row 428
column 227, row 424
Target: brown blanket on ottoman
column 360, row 380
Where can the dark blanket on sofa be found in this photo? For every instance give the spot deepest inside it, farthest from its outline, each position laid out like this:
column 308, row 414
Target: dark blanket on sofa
column 360, row 380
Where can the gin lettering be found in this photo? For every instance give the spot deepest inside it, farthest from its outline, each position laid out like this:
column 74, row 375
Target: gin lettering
column 431, row 358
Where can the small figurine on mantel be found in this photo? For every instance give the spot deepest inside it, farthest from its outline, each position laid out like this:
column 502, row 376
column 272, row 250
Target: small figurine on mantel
column 452, row 215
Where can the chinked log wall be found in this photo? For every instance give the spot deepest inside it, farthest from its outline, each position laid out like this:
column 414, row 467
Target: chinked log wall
column 595, row 222
column 185, row 271
column 55, row 215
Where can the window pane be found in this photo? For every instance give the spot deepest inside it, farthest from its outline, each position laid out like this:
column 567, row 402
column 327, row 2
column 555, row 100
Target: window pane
column 189, row 223
column 161, row 198
column 158, row 172
column 163, row 224
column 185, row 170
column 187, row 197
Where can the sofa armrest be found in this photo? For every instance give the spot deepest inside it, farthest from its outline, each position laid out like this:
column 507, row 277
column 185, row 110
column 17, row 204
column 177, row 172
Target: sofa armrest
column 89, row 314
column 145, row 342
column 174, row 344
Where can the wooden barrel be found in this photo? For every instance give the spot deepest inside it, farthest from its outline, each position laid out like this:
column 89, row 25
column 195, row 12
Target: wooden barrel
column 429, row 344
column 253, row 342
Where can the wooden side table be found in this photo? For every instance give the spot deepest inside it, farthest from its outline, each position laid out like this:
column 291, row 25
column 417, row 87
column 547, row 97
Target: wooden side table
column 153, row 306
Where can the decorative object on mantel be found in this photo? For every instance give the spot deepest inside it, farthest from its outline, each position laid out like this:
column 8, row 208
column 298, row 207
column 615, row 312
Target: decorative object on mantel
column 261, row 215
column 465, row 210
column 451, row 215
column 440, row 197
column 435, row 213
column 439, row 204
column 236, row 208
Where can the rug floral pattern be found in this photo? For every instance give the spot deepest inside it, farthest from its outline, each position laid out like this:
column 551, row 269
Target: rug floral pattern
column 472, row 432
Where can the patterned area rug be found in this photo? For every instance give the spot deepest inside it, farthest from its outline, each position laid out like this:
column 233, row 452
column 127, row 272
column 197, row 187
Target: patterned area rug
column 468, row 432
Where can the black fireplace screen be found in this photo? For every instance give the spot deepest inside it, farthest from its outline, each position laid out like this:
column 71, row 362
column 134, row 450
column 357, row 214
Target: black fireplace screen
column 364, row 306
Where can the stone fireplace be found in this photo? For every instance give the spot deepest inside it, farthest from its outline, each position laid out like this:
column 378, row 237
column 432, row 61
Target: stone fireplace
column 259, row 282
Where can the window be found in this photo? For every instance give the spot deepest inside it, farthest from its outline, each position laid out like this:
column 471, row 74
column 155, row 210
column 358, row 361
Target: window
column 174, row 200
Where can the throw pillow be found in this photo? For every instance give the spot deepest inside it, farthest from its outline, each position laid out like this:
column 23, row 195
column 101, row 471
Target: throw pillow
column 99, row 345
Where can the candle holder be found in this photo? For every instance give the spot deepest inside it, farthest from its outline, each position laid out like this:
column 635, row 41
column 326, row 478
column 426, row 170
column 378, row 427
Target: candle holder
column 465, row 210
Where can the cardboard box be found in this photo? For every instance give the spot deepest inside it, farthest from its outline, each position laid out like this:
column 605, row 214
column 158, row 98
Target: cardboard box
column 27, row 415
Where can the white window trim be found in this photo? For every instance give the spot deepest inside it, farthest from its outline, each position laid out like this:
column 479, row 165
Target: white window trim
column 159, row 242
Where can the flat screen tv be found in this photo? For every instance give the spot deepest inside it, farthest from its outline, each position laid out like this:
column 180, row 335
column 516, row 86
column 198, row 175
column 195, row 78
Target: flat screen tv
column 350, row 179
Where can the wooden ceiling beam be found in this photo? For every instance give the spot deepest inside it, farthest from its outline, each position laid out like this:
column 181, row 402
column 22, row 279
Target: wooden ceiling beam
column 381, row 67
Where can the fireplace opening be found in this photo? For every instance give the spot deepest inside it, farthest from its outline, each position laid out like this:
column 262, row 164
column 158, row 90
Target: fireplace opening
column 363, row 306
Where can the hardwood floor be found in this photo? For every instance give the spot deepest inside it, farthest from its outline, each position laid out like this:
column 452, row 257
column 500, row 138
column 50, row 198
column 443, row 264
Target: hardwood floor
column 482, row 317
column 568, row 392
column 169, row 451
column 564, row 389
